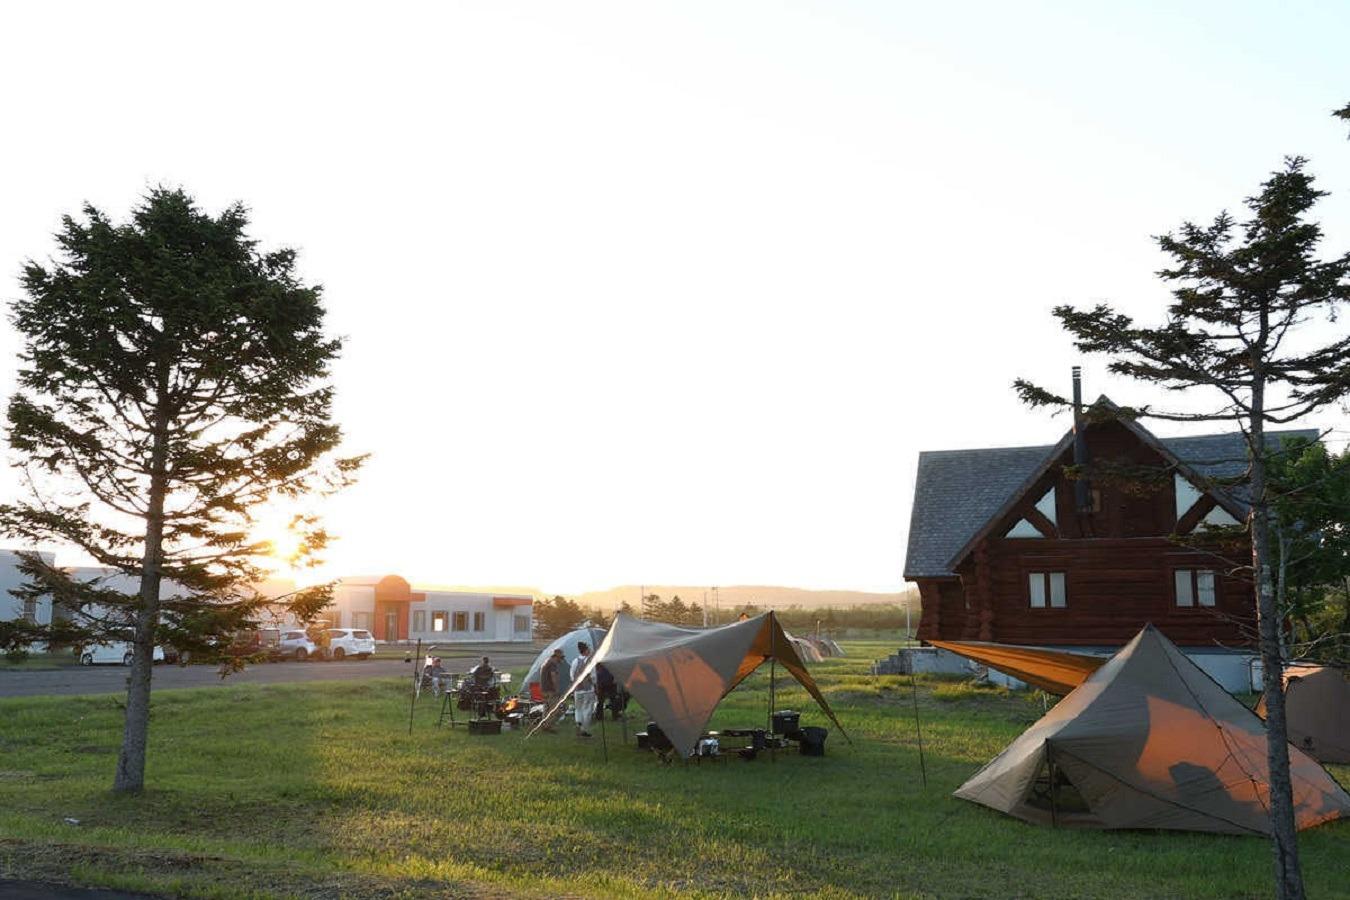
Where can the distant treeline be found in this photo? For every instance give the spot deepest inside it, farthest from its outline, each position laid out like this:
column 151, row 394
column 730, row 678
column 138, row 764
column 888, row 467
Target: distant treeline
column 559, row 615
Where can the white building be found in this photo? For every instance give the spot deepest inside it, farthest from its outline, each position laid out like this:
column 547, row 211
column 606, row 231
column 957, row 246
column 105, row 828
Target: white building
column 391, row 610
column 38, row 610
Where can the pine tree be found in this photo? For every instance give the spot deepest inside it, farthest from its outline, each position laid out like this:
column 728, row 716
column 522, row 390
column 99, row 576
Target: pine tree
column 174, row 379
column 1232, row 332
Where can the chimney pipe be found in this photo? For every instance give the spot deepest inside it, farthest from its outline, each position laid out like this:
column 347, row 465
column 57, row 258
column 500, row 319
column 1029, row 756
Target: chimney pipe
column 1082, row 491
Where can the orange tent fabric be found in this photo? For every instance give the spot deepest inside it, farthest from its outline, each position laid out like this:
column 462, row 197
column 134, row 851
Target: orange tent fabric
column 1150, row 741
column 1055, row 671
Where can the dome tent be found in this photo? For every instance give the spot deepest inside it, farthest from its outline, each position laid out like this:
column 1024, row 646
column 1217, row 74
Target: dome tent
column 568, row 642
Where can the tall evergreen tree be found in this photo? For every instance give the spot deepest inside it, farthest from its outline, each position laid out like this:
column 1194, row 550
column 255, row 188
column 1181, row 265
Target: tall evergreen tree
column 1233, row 332
column 174, row 379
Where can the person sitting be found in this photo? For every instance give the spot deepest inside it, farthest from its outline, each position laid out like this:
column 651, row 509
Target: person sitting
column 433, row 674
column 484, row 676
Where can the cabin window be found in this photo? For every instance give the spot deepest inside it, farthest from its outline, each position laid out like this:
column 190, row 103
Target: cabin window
column 439, row 621
column 1046, row 507
column 1047, row 590
column 1194, row 587
column 461, row 622
column 480, row 621
column 419, row 622
column 1023, row 529
column 1187, row 494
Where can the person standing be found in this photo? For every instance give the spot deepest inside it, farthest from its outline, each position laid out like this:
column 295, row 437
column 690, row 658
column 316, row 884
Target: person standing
column 584, row 696
column 551, row 686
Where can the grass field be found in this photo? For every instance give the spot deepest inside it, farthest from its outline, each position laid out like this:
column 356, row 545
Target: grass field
column 317, row 790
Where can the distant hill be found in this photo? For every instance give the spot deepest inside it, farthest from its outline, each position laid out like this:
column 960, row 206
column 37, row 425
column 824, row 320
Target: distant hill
column 736, row 596
column 731, row 597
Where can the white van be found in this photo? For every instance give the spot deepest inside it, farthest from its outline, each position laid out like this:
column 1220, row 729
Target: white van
column 115, row 652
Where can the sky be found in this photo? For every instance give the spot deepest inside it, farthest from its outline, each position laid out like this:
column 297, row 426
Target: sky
column 676, row 292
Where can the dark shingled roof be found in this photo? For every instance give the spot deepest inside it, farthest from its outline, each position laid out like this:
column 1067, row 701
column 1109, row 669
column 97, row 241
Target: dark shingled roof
column 958, row 491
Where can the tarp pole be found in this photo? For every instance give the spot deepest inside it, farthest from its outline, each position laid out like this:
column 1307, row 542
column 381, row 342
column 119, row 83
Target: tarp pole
column 773, row 673
column 914, row 693
column 416, row 682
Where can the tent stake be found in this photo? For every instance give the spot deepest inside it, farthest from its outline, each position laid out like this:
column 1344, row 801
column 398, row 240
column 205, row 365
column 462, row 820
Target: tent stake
column 417, row 674
column 914, row 693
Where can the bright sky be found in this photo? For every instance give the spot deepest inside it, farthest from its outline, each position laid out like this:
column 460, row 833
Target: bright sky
column 675, row 292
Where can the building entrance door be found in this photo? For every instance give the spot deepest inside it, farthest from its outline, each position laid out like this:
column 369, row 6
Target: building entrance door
column 391, row 626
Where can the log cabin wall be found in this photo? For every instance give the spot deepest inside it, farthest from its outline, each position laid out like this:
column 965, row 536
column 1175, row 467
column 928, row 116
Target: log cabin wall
column 1118, row 564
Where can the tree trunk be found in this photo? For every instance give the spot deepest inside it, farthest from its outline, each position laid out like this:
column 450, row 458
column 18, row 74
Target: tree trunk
column 130, row 776
column 1283, row 834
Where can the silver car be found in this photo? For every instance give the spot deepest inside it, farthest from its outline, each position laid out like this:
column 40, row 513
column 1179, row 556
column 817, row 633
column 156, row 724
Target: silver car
column 345, row 642
column 295, row 644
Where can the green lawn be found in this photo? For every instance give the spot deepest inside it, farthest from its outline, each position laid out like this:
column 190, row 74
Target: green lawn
column 317, row 790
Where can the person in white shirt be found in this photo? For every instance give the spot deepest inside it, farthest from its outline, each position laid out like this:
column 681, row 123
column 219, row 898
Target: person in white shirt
column 584, row 696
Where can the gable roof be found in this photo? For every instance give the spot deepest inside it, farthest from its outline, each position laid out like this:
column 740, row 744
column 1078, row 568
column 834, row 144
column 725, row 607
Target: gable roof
column 957, row 493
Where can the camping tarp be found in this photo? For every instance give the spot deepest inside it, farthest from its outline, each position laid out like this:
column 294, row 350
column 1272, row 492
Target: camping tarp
column 568, row 642
column 1054, row 671
column 679, row 675
column 1150, row 741
column 1317, row 711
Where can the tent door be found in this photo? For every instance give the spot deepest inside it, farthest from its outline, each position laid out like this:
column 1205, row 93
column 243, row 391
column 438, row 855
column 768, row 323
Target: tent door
column 1061, row 798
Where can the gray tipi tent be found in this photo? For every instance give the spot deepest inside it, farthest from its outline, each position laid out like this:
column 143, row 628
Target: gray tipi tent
column 1150, row 741
column 1317, row 711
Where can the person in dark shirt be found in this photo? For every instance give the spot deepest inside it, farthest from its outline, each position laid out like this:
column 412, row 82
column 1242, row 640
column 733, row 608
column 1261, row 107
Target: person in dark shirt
column 551, row 686
column 483, row 674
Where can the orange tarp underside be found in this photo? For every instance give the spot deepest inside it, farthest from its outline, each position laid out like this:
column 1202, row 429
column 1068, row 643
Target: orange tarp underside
column 1054, row 671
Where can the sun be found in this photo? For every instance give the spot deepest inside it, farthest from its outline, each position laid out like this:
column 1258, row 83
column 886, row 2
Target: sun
column 283, row 542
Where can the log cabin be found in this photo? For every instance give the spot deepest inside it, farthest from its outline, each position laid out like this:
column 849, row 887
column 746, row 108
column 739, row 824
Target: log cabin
column 1013, row 545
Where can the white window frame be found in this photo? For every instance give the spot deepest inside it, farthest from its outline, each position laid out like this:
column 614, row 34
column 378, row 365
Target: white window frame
column 1195, row 588
column 1048, row 590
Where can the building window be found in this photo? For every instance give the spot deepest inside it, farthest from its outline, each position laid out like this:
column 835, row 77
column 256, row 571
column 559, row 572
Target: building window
column 361, row 620
column 480, row 621
column 522, row 624
column 461, row 622
column 1047, row 590
column 438, row 621
column 419, row 620
column 30, row 609
column 1194, row 587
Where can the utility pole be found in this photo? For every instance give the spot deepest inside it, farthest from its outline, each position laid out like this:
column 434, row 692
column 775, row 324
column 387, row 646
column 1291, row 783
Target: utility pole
column 705, row 609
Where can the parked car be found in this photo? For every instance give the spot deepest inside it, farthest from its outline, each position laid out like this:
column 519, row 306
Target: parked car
column 114, row 652
column 344, row 642
column 297, row 645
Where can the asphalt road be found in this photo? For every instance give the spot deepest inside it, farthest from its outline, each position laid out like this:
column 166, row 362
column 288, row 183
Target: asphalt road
column 113, row 679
